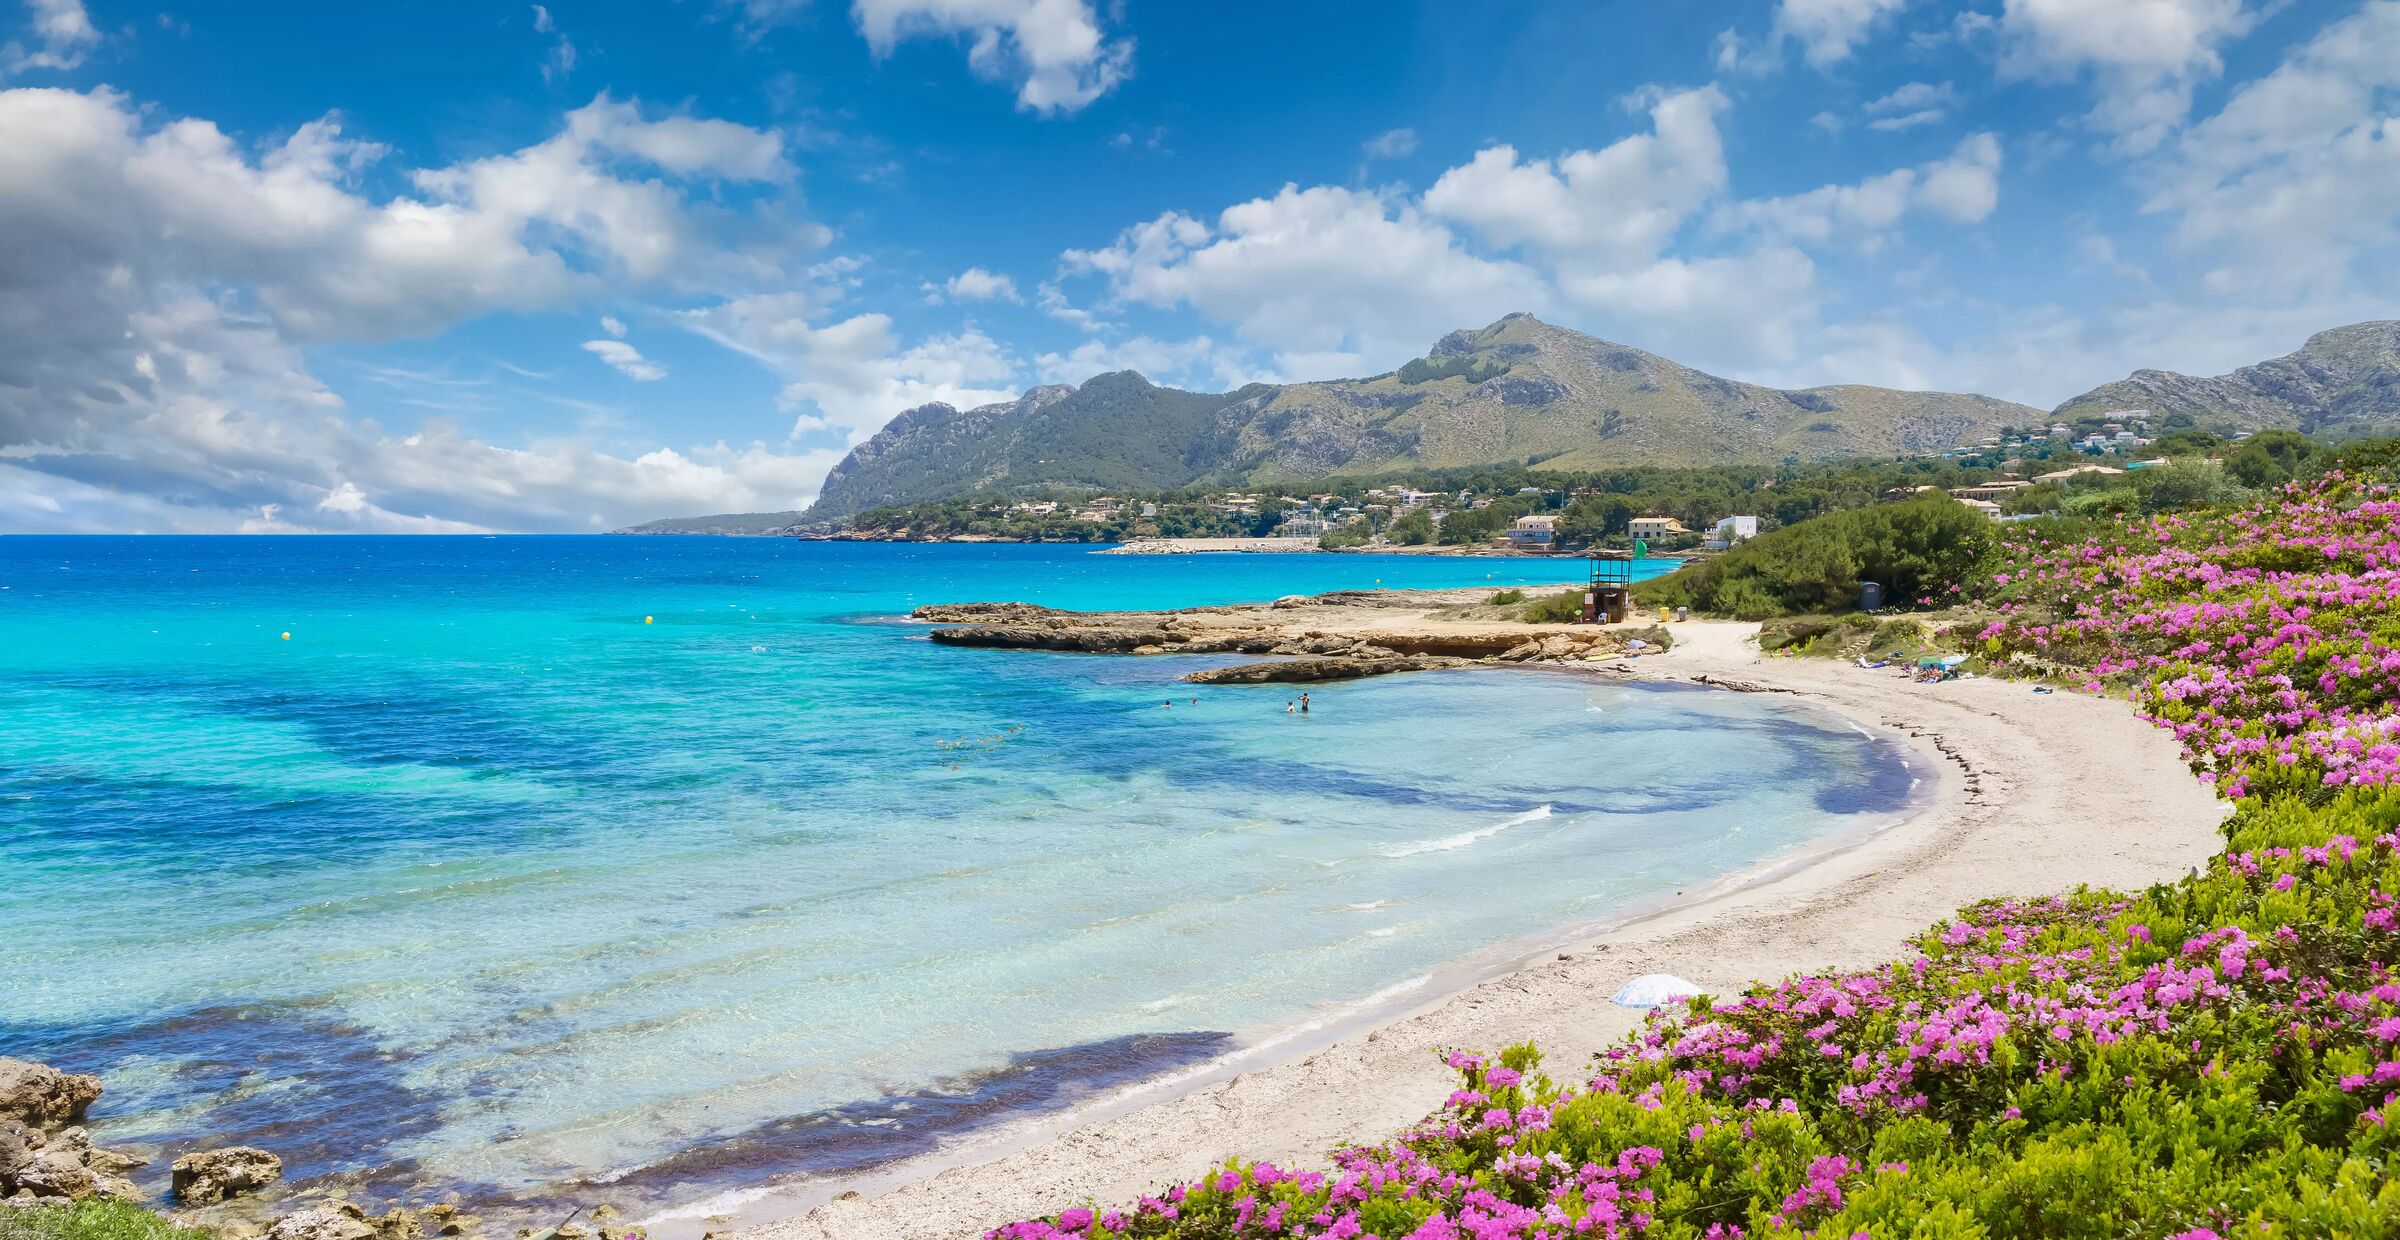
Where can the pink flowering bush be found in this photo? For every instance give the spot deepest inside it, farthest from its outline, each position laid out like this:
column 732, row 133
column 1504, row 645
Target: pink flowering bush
column 2210, row 1058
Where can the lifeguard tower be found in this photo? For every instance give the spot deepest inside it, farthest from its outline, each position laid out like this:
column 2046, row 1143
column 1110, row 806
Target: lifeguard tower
column 1610, row 598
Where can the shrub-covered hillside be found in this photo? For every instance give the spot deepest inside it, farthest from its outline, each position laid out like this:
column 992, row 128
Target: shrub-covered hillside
column 2214, row 1057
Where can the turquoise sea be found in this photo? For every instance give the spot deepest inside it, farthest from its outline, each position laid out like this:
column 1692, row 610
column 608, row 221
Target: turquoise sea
column 482, row 881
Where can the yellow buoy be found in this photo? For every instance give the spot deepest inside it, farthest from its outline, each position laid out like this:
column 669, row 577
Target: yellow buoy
column 287, row 637
column 645, row 619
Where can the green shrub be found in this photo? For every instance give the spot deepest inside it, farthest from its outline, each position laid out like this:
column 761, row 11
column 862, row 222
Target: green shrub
column 1505, row 597
column 1924, row 548
column 1555, row 609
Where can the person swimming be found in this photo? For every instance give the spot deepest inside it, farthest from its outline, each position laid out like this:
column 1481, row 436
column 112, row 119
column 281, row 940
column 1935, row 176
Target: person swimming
column 1290, row 707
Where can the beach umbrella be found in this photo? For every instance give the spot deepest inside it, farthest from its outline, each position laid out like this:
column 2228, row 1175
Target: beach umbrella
column 1655, row 990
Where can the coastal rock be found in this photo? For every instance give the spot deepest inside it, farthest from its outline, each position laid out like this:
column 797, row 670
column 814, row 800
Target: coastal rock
column 18, row 1144
column 205, row 1177
column 58, row 1173
column 1087, row 640
column 338, row 1220
column 983, row 613
column 43, row 1096
column 64, row 1165
column 1310, row 670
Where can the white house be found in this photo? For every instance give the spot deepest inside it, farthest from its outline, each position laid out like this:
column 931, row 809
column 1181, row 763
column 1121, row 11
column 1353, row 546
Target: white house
column 1533, row 532
column 1731, row 530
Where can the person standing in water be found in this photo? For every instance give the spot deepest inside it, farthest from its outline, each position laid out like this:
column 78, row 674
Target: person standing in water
column 1303, row 703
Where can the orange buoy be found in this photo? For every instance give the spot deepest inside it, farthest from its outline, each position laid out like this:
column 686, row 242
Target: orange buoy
column 287, row 637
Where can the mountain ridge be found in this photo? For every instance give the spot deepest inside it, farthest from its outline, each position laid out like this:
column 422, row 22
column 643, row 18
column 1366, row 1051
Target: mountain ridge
column 2339, row 383
column 1516, row 391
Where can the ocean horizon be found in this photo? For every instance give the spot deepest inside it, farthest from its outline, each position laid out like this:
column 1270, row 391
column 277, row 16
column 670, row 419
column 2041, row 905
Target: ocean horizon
column 500, row 866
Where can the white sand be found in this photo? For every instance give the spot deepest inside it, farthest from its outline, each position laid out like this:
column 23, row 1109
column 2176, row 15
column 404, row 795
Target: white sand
column 2035, row 793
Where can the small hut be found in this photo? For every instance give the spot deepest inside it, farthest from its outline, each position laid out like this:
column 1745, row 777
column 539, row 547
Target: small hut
column 1610, row 598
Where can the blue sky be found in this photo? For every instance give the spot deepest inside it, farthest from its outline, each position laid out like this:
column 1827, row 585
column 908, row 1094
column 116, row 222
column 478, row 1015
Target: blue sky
column 566, row 267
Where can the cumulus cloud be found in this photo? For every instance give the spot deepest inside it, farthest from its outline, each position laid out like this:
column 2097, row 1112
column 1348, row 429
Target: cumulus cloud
column 1963, row 188
column 165, row 279
column 1828, row 31
column 1336, row 281
column 977, row 284
column 63, row 35
column 2144, row 58
column 1199, row 362
column 1617, row 205
column 1053, row 51
column 1735, row 312
column 627, row 360
column 2296, row 177
column 851, row 376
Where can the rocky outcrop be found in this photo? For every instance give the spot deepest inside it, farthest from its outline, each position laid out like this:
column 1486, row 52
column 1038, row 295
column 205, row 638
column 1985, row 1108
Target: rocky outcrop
column 336, row 1220
column 1339, row 636
column 205, row 1177
column 1314, row 670
column 62, row 1165
column 42, row 1096
column 42, row 1155
column 2344, row 382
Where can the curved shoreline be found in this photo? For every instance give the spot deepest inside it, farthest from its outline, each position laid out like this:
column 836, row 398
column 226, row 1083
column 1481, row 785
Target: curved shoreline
column 2032, row 794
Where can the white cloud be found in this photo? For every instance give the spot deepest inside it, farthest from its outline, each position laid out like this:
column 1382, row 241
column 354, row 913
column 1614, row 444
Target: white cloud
column 1335, row 280
column 2296, row 176
column 1911, row 96
column 1912, row 105
column 63, row 36
column 561, row 60
column 852, row 376
column 163, row 279
column 626, row 359
column 2145, row 55
column 1391, row 144
column 1618, row 204
column 613, row 325
column 1828, row 31
column 1906, row 120
column 1054, row 303
column 1733, row 313
column 1963, row 188
column 1054, row 51
column 977, row 284
column 1199, row 362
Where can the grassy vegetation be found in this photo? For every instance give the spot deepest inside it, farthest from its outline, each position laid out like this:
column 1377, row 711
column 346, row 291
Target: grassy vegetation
column 95, row 1219
column 1555, row 608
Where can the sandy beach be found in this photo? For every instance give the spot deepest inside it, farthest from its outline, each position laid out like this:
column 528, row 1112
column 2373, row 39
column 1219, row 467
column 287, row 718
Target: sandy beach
column 2032, row 793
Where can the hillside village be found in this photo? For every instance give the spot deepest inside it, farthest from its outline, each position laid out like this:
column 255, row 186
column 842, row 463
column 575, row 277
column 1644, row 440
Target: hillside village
column 1526, row 511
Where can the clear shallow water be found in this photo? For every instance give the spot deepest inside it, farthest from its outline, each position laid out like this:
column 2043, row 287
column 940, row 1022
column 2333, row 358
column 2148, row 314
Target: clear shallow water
column 480, row 880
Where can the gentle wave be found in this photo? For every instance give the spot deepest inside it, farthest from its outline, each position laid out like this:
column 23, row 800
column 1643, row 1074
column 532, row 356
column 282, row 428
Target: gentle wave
column 1465, row 838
